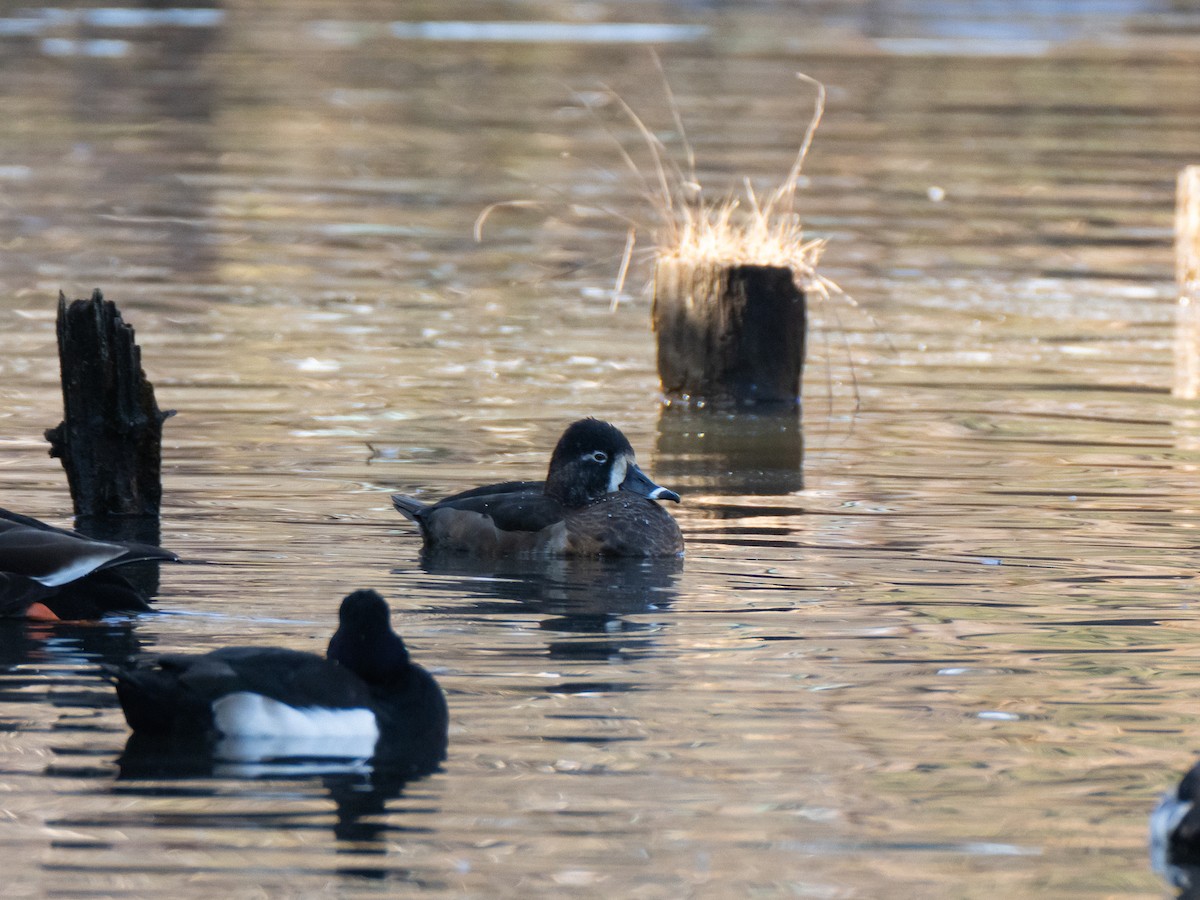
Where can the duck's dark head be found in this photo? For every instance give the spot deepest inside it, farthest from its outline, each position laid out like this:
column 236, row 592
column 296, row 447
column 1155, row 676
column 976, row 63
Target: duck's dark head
column 364, row 642
column 592, row 459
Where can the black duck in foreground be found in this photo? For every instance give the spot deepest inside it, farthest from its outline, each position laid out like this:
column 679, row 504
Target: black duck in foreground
column 363, row 699
column 595, row 501
column 51, row 573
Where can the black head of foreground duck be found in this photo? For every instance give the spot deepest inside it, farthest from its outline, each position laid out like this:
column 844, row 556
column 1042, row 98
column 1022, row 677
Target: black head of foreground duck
column 363, row 699
column 595, row 501
column 50, row 573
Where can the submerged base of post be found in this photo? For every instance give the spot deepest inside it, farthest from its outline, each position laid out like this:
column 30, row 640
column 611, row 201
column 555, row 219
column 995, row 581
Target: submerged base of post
column 110, row 439
column 729, row 334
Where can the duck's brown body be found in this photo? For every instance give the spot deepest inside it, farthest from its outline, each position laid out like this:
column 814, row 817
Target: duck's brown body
column 510, row 524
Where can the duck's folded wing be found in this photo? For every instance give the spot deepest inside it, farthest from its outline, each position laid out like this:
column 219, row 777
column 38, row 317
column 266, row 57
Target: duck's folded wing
column 293, row 677
column 509, row 510
column 176, row 693
column 53, row 558
column 504, row 487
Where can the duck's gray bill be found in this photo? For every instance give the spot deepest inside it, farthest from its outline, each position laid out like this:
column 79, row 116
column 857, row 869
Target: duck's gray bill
column 636, row 482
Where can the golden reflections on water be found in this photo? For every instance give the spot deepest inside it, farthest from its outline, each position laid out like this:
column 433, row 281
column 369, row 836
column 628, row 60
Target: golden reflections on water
column 934, row 638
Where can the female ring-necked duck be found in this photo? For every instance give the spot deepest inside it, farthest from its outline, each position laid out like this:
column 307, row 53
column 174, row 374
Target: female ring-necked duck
column 52, row 573
column 363, row 699
column 595, row 501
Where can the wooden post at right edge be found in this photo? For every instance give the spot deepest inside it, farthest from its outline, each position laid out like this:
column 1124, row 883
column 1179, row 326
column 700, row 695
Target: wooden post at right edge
column 1187, row 275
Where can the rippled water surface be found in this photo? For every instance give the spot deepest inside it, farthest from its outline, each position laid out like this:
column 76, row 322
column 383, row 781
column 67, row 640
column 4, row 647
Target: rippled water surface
column 939, row 638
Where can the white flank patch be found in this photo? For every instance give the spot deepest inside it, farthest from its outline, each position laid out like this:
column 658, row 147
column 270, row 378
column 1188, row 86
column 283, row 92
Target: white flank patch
column 345, row 732
column 617, row 475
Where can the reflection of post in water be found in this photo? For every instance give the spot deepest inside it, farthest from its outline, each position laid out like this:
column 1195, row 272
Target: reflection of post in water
column 144, row 576
column 729, row 451
column 1187, row 274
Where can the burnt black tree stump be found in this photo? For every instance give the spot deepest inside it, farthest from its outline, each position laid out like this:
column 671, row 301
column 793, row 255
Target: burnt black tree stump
column 110, row 439
column 729, row 334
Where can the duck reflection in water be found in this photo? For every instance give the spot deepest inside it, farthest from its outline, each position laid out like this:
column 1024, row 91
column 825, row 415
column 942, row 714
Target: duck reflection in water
column 361, row 789
column 577, row 597
column 30, row 650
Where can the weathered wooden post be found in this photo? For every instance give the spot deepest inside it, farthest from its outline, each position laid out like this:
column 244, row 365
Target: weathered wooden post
column 1187, row 275
column 110, row 439
column 730, row 314
column 728, row 334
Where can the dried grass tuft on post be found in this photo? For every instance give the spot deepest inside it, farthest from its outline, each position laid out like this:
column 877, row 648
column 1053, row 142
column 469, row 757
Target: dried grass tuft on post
column 730, row 282
column 731, row 275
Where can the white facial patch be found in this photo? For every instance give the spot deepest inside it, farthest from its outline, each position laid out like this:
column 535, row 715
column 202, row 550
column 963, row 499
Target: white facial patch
column 346, row 731
column 617, row 475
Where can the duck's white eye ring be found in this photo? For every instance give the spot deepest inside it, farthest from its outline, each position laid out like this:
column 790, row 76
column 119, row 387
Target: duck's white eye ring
column 598, row 456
